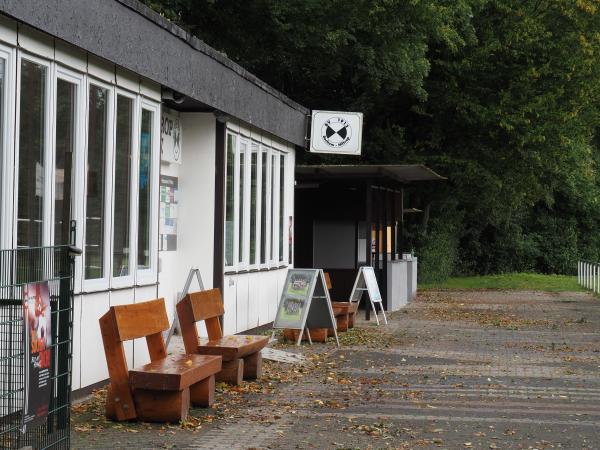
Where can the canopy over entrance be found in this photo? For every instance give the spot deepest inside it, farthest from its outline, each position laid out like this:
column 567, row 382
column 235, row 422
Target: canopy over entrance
column 348, row 216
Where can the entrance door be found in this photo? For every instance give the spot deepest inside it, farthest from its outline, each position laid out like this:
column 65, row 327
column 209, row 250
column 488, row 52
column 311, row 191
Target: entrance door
column 66, row 98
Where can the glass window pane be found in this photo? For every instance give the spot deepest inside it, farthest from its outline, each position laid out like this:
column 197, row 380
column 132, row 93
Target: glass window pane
column 65, row 142
column 265, row 207
column 242, row 197
column 145, row 186
column 253, row 201
column 122, row 190
column 229, row 200
column 31, row 154
column 281, row 204
column 273, row 252
column 2, row 149
column 95, row 195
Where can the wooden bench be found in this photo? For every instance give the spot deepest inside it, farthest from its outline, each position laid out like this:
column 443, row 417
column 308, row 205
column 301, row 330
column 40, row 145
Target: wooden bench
column 162, row 390
column 241, row 353
column 344, row 312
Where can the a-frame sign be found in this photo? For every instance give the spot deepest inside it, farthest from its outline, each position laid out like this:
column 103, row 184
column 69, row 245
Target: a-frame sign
column 305, row 303
column 367, row 282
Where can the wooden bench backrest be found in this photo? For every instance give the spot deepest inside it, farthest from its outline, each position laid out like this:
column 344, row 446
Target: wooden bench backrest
column 123, row 323
column 197, row 306
column 327, row 280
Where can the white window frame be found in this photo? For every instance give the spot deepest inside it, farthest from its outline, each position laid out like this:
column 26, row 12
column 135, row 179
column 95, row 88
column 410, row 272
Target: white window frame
column 231, row 267
column 275, row 210
column 126, row 280
column 48, row 147
column 243, row 262
column 148, row 276
column 79, row 142
column 284, row 158
column 100, row 284
column 254, row 149
column 281, row 154
column 267, row 150
column 7, row 162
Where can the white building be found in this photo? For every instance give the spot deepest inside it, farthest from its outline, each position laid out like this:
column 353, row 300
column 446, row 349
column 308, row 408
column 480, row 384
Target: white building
column 86, row 88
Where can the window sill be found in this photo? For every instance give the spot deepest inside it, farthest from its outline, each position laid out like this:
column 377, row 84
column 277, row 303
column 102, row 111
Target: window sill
column 263, row 269
column 115, row 289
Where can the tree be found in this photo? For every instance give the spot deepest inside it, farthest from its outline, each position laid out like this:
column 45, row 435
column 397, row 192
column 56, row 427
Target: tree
column 501, row 96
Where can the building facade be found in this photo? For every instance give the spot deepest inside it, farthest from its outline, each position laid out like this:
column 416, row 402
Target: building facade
column 150, row 151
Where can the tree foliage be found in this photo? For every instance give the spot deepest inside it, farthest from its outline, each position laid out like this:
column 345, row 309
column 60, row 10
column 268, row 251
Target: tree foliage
column 501, row 96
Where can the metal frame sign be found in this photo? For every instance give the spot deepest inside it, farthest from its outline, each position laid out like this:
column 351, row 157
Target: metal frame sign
column 305, row 303
column 366, row 281
column 336, row 132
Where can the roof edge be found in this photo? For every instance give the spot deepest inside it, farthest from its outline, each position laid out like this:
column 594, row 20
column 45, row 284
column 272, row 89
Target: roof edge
column 203, row 47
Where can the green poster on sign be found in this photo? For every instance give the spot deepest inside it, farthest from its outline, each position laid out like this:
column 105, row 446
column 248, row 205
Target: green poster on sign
column 295, row 297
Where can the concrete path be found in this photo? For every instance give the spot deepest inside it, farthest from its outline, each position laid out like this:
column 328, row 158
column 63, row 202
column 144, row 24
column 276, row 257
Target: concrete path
column 456, row 369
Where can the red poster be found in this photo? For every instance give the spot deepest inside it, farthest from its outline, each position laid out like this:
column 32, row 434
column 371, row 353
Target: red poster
column 38, row 340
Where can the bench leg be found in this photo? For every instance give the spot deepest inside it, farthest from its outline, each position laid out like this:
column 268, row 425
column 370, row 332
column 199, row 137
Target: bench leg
column 162, row 406
column 351, row 320
column 203, row 393
column 342, row 322
column 232, row 372
column 253, row 366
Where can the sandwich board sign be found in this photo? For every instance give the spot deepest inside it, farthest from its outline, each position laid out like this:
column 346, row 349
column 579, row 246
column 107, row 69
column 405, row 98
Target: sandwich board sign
column 305, row 303
column 336, row 132
column 367, row 282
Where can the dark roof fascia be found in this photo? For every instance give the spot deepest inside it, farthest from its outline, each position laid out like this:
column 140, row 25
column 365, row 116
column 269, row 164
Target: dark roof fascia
column 131, row 35
column 201, row 46
column 356, row 171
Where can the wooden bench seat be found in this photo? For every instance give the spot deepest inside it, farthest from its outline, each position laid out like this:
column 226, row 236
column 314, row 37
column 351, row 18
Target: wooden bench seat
column 162, row 390
column 232, row 347
column 241, row 353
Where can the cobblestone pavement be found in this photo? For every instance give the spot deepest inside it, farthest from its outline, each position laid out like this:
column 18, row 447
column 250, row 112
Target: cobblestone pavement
column 455, row 369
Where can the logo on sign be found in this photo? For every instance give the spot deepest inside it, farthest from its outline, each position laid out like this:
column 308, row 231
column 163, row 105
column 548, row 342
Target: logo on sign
column 336, row 132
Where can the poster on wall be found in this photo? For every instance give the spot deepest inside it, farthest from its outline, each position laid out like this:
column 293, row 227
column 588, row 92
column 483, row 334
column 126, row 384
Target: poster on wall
column 170, row 136
column 168, row 213
column 37, row 343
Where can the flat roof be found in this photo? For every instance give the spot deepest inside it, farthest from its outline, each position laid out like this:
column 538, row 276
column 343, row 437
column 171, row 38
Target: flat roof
column 403, row 173
column 131, row 35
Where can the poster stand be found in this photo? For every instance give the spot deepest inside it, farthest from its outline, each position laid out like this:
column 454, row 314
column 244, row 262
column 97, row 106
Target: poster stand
column 188, row 282
column 367, row 282
column 304, row 304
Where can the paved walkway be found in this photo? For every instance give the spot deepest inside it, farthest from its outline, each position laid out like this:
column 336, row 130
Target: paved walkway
column 456, row 369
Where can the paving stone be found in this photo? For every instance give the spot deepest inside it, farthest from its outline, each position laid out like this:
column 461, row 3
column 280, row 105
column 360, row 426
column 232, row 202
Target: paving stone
column 466, row 369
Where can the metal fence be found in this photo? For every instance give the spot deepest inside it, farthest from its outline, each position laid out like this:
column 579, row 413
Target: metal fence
column 588, row 275
column 18, row 268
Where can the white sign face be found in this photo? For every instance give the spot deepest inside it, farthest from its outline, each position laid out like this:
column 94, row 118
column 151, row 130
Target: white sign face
column 170, row 136
column 336, row 132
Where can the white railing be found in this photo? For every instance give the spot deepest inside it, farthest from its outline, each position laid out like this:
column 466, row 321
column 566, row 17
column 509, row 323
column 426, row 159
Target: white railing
column 588, row 275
